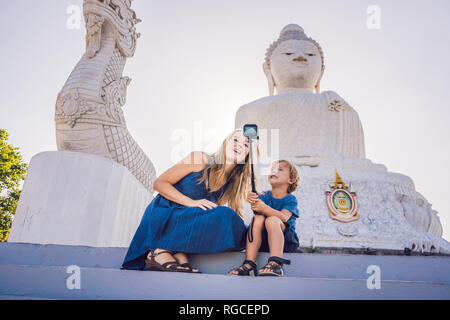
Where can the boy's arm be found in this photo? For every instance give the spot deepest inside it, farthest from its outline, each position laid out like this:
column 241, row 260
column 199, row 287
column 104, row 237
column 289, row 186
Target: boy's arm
column 284, row 214
column 260, row 206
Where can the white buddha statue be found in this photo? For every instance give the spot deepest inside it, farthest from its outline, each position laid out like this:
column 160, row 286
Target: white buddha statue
column 312, row 124
column 322, row 134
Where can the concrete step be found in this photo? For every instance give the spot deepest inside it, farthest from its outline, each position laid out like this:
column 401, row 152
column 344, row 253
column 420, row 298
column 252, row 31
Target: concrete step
column 305, row 265
column 32, row 271
column 50, row 282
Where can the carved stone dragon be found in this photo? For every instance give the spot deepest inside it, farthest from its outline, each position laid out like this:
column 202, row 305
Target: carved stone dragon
column 88, row 112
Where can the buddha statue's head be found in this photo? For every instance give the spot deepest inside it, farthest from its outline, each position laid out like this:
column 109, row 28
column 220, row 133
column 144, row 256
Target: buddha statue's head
column 294, row 61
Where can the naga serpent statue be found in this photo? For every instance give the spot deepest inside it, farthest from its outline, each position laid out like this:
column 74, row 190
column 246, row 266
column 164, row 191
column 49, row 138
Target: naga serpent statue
column 88, row 112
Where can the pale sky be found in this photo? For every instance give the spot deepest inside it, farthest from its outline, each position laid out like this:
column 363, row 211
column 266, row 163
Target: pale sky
column 198, row 61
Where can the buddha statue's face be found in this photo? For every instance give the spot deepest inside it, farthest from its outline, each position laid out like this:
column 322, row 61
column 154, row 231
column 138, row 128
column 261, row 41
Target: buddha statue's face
column 296, row 64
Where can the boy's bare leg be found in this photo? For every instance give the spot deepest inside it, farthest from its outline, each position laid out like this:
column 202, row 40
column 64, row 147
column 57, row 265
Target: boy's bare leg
column 275, row 228
column 252, row 248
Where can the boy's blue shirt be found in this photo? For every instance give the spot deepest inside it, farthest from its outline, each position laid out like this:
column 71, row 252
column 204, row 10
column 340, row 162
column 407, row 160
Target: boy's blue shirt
column 289, row 202
column 291, row 241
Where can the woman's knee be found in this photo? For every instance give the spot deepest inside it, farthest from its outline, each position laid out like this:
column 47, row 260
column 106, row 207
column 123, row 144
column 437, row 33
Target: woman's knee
column 224, row 211
column 273, row 222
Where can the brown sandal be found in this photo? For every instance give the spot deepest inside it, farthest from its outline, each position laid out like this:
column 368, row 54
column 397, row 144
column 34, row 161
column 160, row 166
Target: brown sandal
column 170, row 266
column 186, row 265
column 189, row 268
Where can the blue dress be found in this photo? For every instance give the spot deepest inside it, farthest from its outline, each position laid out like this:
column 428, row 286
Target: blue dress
column 289, row 202
column 171, row 226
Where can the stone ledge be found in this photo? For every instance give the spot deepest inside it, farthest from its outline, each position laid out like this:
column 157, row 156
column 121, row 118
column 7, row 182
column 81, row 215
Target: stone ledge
column 49, row 282
column 306, row 265
column 370, row 251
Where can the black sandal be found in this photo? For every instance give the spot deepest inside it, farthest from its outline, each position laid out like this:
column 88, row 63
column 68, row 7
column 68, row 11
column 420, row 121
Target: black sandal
column 275, row 266
column 189, row 268
column 170, row 266
column 243, row 270
column 185, row 265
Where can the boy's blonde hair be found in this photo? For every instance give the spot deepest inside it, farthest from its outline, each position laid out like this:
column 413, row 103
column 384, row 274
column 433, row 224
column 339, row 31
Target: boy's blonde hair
column 293, row 174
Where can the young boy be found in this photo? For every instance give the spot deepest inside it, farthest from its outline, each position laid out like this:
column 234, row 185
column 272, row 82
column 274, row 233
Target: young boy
column 273, row 226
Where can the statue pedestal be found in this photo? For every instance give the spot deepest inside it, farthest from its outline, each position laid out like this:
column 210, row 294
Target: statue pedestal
column 392, row 214
column 74, row 198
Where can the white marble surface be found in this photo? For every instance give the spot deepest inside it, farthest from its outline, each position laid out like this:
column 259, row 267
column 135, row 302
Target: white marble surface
column 75, row 198
column 88, row 112
column 393, row 215
column 304, row 127
column 300, row 122
column 320, row 131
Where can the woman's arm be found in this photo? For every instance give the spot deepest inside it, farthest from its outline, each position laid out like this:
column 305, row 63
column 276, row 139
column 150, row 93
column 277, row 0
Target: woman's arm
column 164, row 183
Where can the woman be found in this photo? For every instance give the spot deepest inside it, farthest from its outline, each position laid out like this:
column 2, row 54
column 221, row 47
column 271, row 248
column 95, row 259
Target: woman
column 189, row 214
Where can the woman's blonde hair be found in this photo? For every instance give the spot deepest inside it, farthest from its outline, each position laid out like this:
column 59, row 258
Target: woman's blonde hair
column 238, row 179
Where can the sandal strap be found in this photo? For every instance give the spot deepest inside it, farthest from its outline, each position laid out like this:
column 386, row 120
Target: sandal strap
column 189, row 267
column 279, row 260
column 185, row 265
column 153, row 254
column 251, row 263
column 271, row 266
column 244, row 270
column 170, row 265
column 274, row 269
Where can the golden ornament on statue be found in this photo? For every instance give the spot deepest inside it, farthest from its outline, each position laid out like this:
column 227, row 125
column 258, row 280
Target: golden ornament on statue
column 341, row 200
